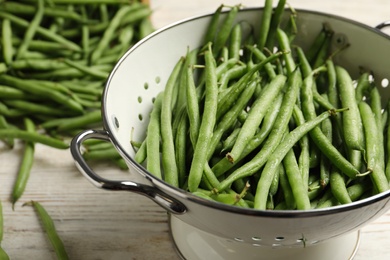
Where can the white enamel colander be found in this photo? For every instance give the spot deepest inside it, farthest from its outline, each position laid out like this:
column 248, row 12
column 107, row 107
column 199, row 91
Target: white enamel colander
column 203, row 229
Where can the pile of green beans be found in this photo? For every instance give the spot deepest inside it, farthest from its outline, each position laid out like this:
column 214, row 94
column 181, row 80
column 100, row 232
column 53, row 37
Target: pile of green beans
column 258, row 122
column 55, row 57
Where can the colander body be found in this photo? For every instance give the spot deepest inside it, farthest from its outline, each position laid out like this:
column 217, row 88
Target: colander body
column 142, row 73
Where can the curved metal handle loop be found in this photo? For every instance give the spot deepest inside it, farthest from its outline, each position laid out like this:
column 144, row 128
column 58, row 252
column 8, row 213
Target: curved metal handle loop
column 150, row 191
column 382, row 25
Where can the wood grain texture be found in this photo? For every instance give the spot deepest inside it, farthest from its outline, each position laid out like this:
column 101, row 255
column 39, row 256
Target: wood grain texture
column 96, row 224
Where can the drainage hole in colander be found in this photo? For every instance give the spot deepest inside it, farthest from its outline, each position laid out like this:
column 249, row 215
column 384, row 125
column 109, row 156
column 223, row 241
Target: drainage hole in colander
column 279, row 238
column 146, row 85
column 385, row 83
column 115, row 121
column 256, row 238
column 140, row 117
column 139, row 99
column 157, row 79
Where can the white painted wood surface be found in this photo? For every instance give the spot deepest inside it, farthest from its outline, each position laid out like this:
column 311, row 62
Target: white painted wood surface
column 96, row 224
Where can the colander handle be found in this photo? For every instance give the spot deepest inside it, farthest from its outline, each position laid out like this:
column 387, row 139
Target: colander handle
column 383, row 25
column 168, row 203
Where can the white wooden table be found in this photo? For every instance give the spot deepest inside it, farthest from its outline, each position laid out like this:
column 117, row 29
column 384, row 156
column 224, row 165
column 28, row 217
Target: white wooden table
column 96, row 224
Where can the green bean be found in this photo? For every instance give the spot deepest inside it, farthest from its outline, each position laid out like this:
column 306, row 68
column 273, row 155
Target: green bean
column 87, row 70
column 285, row 47
column 265, row 24
column 297, row 185
column 213, row 25
column 207, row 123
column 7, row 48
column 355, row 191
column 376, row 107
column 12, row 93
column 26, row 165
column 304, row 157
column 387, row 148
column 30, row 32
column 168, row 150
column 145, row 28
column 192, row 106
column 5, row 111
column 352, row 122
column 235, row 42
column 255, row 116
column 363, row 86
column 72, row 123
column 284, row 115
column 326, row 128
column 153, row 138
column 33, row 107
column 33, row 137
column 181, row 147
column 372, row 148
column 51, row 232
column 319, row 40
column 224, row 31
column 333, row 95
column 4, row 125
column 338, row 188
column 110, row 153
column 141, row 153
column 275, row 23
column 229, row 141
column 3, row 254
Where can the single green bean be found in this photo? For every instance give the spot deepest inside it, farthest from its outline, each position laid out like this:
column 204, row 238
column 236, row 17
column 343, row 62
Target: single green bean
column 337, row 186
column 153, row 138
column 3, row 254
column 352, row 122
column 275, row 23
column 297, row 184
column 26, row 165
column 89, row 118
column 285, row 47
column 286, row 187
column 363, row 85
column 30, row 32
column 207, row 123
column 51, row 232
column 192, row 106
column 33, row 137
column 6, row 36
column 168, row 149
column 224, row 30
column 87, row 70
column 181, row 147
column 265, row 24
column 372, row 148
column 213, row 25
column 235, row 42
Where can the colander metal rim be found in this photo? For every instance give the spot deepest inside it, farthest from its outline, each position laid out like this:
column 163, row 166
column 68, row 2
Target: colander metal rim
column 185, row 195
